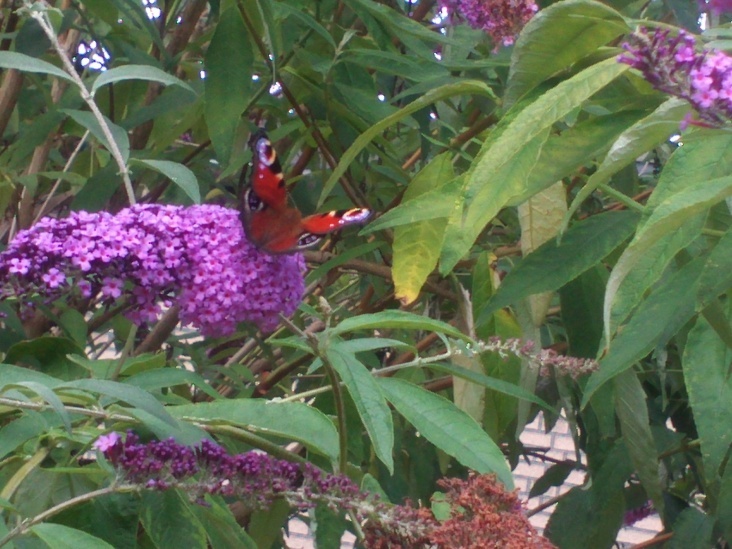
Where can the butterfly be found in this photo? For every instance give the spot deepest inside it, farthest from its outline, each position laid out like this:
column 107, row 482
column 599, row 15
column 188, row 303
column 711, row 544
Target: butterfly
column 270, row 222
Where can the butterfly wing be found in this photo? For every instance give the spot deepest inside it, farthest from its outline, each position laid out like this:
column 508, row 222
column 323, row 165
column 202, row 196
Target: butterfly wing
column 270, row 223
column 314, row 227
column 267, row 181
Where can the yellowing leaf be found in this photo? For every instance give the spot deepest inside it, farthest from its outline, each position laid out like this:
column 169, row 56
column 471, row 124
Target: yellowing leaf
column 541, row 218
column 417, row 245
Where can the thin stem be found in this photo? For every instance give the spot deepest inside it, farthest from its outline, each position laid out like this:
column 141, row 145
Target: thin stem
column 624, row 199
column 125, row 352
column 341, row 415
column 67, row 166
column 88, row 98
column 26, row 525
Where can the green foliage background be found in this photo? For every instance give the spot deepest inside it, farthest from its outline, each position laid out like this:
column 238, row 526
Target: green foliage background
column 547, row 160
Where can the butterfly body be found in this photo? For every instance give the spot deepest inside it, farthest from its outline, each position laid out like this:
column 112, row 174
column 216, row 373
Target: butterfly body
column 271, row 223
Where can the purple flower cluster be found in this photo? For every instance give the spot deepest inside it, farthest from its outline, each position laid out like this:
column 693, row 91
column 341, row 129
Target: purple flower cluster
column 254, row 478
column 196, row 257
column 716, row 6
column 639, row 513
column 673, row 65
column 502, row 19
column 209, row 469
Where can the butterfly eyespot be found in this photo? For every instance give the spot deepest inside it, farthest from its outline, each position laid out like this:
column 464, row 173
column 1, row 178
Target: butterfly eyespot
column 253, row 202
column 307, row 239
column 355, row 215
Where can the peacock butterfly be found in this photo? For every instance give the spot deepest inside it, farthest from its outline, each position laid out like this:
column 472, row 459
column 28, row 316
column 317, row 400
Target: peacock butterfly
column 270, row 222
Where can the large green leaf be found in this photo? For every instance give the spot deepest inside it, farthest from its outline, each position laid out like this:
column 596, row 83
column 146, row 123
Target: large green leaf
column 369, row 401
column 703, row 156
column 137, row 72
column 417, row 247
column 126, row 393
column 632, row 143
column 178, row 174
column 552, row 265
column 229, row 59
column 591, row 515
column 396, row 319
column 661, row 314
column 564, row 153
column 58, row 536
column 498, row 385
column 706, row 363
column 50, row 398
column 447, row 427
column 88, row 121
column 557, row 37
column 668, row 216
column 288, row 420
column 22, row 62
column 169, row 521
column 630, row 405
column 465, row 87
column 431, row 206
column 483, row 197
column 221, row 526
column 716, row 278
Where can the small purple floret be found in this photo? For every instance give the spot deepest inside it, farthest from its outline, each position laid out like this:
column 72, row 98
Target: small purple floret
column 156, row 255
column 673, row 65
column 502, row 19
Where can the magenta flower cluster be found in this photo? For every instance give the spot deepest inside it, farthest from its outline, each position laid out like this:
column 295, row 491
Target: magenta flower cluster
column 255, row 477
column 156, row 255
column 502, row 19
column 716, row 6
column 673, row 65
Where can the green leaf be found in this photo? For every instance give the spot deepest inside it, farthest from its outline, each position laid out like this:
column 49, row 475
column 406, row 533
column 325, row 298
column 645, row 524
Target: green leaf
column 126, row 393
column 138, row 72
column 10, row 374
column 417, row 247
column 556, row 38
column 178, row 174
column 50, row 397
column 447, row 427
column 581, row 305
column 591, row 515
column 632, row 143
column 667, row 217
column 369, row 401
column 568, row 151
column 438, row 94
column 288, row 420
column 26, row 427
column 58, row 536
column 228, row 61
column 552, row 265
column 661, row 314
column 692, row 528
column 430, row 206
column 26, row 63
column 170, row 377
column 169, row 521
column 88, row 121
column 553, row 476
column 630, row 405
column 705, row 362
column 481, row 202
column 716, row 277
column 307, row 20
column 689, row 162
column 366, row 344
column 495, row 384
column 221, row 526
column 402, row 320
